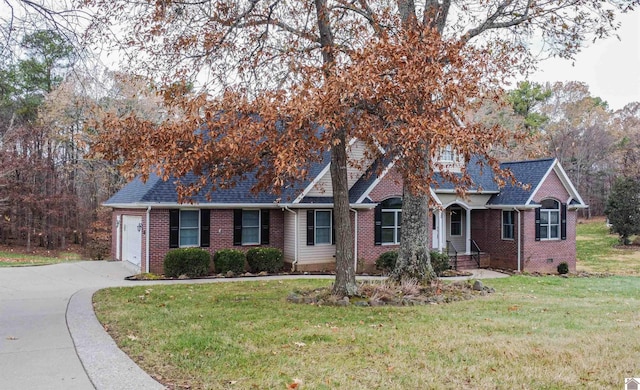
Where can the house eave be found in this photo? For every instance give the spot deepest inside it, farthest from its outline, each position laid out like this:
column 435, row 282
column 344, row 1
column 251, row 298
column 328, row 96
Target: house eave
column 144, row 205
column 510, row 207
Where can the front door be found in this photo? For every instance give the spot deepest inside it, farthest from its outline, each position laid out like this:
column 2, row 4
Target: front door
column 456, row 229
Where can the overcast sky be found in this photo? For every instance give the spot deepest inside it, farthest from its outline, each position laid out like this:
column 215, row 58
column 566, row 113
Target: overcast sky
column 611, row 68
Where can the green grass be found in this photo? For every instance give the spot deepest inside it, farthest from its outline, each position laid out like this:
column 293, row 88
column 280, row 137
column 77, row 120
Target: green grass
column 535, row 332
column 597, row 251
column 16, row 259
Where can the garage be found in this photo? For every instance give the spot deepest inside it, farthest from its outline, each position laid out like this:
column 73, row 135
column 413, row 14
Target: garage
column 132, row 239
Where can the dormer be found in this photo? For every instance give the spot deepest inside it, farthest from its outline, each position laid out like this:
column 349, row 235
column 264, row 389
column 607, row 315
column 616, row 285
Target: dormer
column 448, row 159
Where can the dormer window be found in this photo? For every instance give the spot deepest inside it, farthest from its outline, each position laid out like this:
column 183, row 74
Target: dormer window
column 446, row 154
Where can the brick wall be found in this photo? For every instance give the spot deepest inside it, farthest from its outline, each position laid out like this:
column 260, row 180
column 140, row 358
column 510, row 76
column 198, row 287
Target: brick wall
column 221, row 233
column 389, row 187
column 486, row 230
column 544, row 256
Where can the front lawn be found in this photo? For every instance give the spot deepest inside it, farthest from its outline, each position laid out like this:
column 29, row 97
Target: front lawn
column 11, row 257
column 534, row 332
column 599, row 251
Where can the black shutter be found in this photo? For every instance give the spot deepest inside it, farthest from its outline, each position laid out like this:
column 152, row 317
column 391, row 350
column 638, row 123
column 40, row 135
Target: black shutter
column 563, row 221
column 264, row 229
column 311, row 227
column 237, row 227
column 205, row 228
column 333, row 229
column 174, row 228
column 538, row 224
column 378, row 225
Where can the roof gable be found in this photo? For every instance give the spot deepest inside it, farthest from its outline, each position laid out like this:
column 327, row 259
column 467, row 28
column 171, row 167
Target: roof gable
column 530, row 173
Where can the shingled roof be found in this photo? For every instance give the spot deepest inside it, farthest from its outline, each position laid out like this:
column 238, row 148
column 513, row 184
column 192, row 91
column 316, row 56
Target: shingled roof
column 529, row 172
column 157, row 191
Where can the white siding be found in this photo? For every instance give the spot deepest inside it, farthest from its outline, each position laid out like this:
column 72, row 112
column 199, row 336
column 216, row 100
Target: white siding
column 355, row 154
column 289, row 236
column 473, row 200
column 312, row 254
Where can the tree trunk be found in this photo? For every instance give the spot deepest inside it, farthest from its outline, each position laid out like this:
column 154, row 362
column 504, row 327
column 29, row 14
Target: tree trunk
column 345, row 284
column 413, row 259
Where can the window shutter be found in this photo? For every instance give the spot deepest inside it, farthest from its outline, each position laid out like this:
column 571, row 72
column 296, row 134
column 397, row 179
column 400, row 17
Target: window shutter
column 205, row 228
column 264, row 228
column 310, row 227
column 538, row 224
column 563, row 221
column 378, row 225
column 237, row 227
column 174, row 228
column 333, row 228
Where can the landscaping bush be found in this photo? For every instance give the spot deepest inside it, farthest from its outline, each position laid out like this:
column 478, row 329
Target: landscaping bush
column 265, row 260
column 192, row 262
column 439, row 262
column 226, row 260
column 563, row 268
column 386, row 262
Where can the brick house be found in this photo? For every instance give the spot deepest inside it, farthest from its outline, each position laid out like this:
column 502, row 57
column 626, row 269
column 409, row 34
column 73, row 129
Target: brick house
column 529, row 229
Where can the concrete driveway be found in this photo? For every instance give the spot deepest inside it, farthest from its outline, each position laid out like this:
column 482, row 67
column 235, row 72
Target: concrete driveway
column 36, row 348
column 51, row 339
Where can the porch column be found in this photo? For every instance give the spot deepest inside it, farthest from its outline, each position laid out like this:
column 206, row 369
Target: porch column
column 442, row 230
column 468, row 235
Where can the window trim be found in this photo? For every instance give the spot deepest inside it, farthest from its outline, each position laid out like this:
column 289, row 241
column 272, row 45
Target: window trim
column 181, row 227
column 558, row 224
column 512, row 224
column 396, row 227
column 258, row 226
column 315, row 227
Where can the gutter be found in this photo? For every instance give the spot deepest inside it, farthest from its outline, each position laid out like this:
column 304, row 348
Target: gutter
column 295, row 238
column 147, row 257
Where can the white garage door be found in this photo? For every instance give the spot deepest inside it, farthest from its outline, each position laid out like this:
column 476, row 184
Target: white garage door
column 132, row 240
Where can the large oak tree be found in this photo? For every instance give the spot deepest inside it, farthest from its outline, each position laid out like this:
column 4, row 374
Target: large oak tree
column 285, row 81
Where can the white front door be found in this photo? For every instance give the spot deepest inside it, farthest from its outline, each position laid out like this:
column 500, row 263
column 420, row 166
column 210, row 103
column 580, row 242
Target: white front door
column 132, row 239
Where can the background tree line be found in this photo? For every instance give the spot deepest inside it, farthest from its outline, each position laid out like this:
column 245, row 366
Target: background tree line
column 50, row 191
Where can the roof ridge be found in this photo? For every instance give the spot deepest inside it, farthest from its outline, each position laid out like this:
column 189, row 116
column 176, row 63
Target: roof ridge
column 529, row 161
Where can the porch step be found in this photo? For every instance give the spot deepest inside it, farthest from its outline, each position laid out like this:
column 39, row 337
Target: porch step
column 465, row 262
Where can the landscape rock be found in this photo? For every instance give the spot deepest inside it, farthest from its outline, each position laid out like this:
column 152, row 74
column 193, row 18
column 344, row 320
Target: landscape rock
column 478, row 286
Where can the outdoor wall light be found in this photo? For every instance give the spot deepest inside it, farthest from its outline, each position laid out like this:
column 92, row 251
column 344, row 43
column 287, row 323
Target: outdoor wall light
column 140, row 227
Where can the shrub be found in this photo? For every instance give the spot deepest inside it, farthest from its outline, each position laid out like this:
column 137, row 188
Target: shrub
column 226, row 260
column 439, row 262
column 386, row 262
column 192, row 262
column 265, row 259
column 563, row 268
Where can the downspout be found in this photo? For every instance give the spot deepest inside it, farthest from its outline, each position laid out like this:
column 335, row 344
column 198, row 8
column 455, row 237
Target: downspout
column 147, row 257
column 295, row 238
column 355, row 239
column 519, row 238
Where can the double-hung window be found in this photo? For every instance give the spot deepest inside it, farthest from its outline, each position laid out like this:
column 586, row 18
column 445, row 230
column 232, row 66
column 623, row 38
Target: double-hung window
column 250, row 227
column 508, row 224
column 189, row 228
column 323, row 227
column 550, row 220
column 391, row 220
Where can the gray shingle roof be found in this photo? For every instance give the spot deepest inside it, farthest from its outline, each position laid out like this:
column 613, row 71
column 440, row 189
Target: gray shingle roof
column 155, row 190
column 527, row 172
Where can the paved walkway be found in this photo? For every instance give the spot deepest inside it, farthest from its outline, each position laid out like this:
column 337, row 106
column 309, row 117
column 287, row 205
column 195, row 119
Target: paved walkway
column 51, row 339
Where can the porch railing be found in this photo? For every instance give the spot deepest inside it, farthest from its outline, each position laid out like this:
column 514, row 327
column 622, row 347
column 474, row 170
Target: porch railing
column 452, row 252
column 475, row 252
